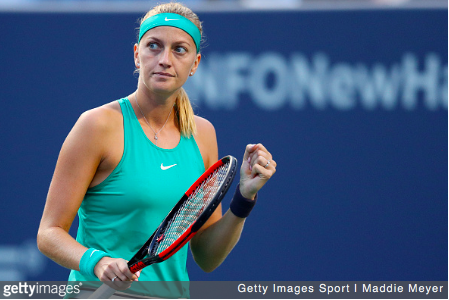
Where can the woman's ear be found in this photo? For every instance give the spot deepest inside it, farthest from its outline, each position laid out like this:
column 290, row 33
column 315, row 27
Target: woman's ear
column 136, row 56
column 195, row 64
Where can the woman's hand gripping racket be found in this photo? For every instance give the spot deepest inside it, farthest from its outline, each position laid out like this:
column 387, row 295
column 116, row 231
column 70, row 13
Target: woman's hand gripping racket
column 184, row 220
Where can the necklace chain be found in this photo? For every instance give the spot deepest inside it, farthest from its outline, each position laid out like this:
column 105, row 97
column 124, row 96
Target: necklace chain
column 148, row 123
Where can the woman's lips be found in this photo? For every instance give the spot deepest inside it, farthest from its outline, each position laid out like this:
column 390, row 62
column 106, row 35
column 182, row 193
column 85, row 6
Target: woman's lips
column 164, row 74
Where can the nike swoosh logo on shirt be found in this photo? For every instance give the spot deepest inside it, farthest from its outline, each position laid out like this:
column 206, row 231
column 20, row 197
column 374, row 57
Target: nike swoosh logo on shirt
column 167, row 167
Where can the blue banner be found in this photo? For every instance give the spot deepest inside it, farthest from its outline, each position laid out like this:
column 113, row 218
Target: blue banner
column 352, row 105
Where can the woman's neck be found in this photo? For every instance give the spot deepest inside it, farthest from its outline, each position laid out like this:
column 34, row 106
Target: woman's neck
column 157, row 109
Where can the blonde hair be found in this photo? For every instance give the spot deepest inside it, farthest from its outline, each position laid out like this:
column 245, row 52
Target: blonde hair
column 185, row 116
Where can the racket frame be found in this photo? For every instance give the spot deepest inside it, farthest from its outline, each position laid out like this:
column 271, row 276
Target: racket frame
column 138, row 262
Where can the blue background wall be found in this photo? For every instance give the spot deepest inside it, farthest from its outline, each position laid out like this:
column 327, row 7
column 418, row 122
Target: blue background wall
column 352, row 105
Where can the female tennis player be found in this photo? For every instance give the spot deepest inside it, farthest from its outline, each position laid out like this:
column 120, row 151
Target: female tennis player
column 125, row 164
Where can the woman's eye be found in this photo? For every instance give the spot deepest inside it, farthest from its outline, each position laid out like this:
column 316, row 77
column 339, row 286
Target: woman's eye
column 180, row 50
column 153, row 46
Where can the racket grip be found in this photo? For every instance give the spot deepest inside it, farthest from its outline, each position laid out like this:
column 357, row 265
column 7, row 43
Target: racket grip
column 137, row 267
column 103, row 292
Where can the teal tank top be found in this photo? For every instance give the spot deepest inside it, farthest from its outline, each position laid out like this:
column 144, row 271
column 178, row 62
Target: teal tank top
column 120, row 214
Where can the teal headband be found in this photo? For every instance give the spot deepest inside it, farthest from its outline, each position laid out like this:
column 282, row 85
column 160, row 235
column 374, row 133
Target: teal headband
column 173, row 20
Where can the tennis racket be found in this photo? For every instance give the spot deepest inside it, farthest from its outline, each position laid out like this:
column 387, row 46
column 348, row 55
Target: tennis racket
column 184, row 220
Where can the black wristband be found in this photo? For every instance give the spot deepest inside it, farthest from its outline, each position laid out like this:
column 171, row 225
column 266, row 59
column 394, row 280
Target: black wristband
column 241, row 206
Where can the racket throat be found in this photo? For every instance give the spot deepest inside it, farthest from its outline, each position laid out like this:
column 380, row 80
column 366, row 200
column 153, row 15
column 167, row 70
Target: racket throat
column 160, row 238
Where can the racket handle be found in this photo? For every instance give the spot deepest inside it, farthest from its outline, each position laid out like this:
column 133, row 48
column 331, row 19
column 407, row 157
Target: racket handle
column 103, row 292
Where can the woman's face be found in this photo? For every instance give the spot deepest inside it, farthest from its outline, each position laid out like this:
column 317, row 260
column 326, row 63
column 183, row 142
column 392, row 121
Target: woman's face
column 167, row 56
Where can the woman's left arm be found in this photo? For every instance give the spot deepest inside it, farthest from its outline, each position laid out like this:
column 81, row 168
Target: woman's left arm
column 215, row 240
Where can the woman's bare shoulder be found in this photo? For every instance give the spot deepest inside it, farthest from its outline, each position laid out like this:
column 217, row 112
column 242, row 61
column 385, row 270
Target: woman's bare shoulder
column 204, row 126
column 206, row 139
column 96, row 128
column 101, row 118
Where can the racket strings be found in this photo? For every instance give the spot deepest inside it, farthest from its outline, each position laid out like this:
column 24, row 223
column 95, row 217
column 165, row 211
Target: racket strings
column 192, row 208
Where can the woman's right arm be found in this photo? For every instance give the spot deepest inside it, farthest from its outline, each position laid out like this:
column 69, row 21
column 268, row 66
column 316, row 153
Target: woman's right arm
column 77, row 164
column 84, row 155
